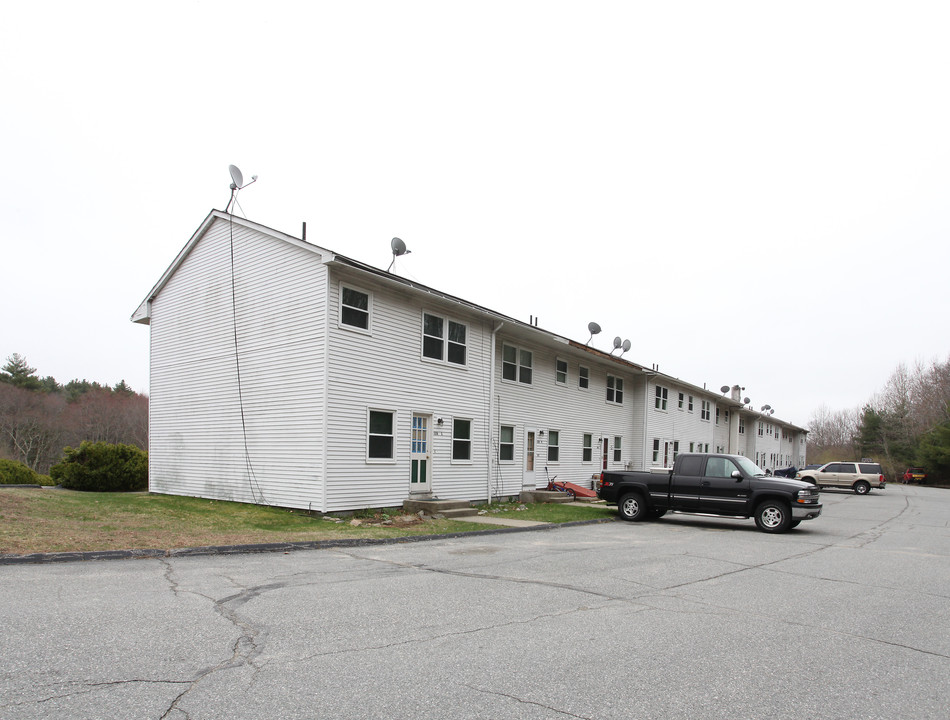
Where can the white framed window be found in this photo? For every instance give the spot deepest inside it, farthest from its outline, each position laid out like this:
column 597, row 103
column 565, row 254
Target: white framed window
column 587, row 448
column 583, row 378
column 656, row 449
column 690, row 403
column 717, row 418
column 761, row 429
column 681, row 400
column 461, row 440
column 691, row 447
column 560, row 371
column 617, row 448
column 662, row 397
column 676, row 449
column 506, row 444
column 741, row 425
column 554, row 446
column 443, row 339
column 706, row 410
column 356, row 307
column 380, row 435
column 516, row 364
column 614, row 390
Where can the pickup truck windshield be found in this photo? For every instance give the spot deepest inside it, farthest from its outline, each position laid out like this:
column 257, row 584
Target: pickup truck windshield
column 750, row 468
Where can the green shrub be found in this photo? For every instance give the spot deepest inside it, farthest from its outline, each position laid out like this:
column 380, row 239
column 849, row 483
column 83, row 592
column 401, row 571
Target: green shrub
column 101, row 467
column 16, row 473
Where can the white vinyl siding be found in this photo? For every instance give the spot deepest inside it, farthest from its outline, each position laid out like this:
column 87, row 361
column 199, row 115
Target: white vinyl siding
column 196, row 435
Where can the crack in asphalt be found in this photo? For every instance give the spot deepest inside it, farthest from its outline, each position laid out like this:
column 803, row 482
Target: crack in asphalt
column 523, row 701
column 246, row 647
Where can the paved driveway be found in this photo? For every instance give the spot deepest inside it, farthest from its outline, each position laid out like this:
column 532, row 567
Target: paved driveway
column 845, row 617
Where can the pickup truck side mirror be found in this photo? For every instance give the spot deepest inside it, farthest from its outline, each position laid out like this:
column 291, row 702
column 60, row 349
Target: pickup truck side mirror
column 737, row 475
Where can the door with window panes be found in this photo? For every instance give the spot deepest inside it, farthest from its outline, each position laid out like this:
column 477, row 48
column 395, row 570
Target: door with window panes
column 420, row 456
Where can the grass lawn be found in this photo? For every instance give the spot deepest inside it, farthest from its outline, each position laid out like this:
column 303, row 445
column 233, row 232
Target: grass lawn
column 55, row 520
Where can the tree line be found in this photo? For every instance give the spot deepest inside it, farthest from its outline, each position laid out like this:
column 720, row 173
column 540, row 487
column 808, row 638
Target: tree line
column 39, row 417
column 905, row 424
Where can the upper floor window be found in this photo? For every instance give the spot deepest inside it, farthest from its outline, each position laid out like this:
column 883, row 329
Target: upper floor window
column 583, row 378
column 560, row 372
column 717, row 416
column 438, row 344
column 614, row 390
column 690, row 404
column 706, row 410
column 662, row 396
column 741, row 426
column 354, row 308
column 680, row 401
column 516, row 364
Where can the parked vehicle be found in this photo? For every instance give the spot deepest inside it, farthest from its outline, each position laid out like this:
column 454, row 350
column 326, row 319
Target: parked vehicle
column 712, row 484
column 916, row 475
column 858, row 476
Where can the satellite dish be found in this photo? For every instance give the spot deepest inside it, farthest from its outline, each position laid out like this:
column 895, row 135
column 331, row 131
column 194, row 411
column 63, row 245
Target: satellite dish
column 617, row 342
column 746, row 401
column 626, row 345
column 236, row 177
column 724, row 388
column 398, row 246
column 594, row 328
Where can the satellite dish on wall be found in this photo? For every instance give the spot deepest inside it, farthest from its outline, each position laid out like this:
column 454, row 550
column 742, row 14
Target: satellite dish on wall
column 724, row 389
column 746, row 401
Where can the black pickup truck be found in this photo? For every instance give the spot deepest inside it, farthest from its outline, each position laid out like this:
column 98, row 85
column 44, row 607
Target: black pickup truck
column 729, row 485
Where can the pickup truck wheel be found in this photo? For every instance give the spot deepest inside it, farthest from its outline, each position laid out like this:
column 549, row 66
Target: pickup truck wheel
column 773, row 516
column 862, row 487
column 631, row 507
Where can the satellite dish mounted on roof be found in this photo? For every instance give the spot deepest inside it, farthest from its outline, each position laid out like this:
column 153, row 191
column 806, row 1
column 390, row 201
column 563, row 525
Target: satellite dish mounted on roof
column 237, row 183
column 399, row 248
column 593, row 328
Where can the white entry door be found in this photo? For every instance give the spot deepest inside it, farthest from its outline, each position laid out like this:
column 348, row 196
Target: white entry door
column 420, row 457
column 529, row 479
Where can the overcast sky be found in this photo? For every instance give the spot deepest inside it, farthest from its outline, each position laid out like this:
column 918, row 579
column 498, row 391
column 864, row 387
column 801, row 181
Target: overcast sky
column 751, row 192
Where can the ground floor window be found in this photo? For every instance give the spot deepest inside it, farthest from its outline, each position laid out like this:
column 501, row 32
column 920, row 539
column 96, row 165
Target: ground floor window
column 617, row 449
column 380, row 441
column 587, row 452
column 506, row 443
column 554, row 446
column 656, row 449
column 461, row 439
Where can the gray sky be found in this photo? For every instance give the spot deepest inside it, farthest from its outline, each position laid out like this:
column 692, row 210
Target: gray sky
column 751, row 192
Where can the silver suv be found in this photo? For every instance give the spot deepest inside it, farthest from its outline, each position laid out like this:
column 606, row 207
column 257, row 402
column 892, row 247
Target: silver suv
column 859, row 476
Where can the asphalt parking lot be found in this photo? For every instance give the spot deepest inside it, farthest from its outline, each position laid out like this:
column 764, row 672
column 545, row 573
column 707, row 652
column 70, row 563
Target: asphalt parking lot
column 845, row 617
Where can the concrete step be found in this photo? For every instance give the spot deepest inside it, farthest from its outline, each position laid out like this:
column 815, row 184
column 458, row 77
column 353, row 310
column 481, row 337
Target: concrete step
column 448, row 508
column 545, row 496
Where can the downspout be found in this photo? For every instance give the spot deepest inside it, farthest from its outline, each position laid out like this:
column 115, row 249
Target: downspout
column 491, row 406
column 646, row 415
